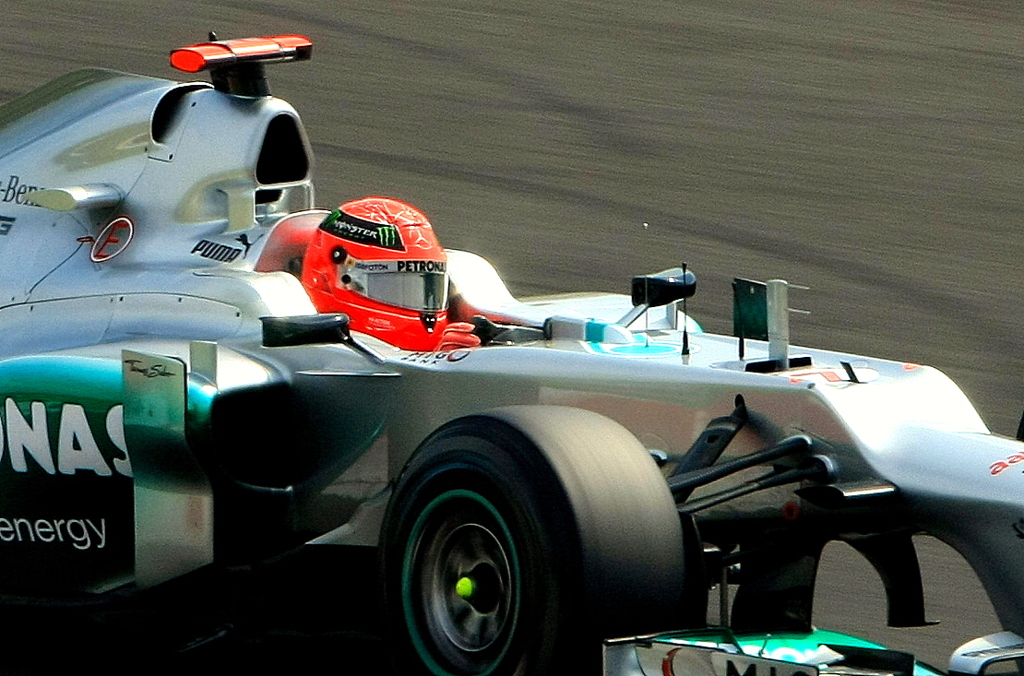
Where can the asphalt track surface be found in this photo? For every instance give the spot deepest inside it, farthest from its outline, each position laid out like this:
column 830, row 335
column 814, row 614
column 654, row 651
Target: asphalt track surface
column 869, row 150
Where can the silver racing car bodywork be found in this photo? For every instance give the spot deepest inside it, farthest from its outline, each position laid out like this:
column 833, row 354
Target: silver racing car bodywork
column 172, row 403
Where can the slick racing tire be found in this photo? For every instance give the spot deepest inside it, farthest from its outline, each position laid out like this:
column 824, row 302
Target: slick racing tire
column 516, row 540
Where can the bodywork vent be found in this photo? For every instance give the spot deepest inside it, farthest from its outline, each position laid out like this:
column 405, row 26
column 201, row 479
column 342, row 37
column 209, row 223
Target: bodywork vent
column 167, row 110
column 283, row 155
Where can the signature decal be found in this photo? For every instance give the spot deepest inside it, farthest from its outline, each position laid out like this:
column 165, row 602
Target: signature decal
column 150, row 371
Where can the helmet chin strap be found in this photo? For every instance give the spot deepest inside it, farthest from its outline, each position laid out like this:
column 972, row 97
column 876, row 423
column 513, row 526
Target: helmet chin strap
column 429, row 320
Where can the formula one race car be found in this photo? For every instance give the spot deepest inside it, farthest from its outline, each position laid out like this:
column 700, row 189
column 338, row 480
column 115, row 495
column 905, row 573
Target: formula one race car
column 175, row 408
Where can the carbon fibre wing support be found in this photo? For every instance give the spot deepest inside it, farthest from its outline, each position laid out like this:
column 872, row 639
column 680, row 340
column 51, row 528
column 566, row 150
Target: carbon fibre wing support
column 776, row 591
column 894, row 558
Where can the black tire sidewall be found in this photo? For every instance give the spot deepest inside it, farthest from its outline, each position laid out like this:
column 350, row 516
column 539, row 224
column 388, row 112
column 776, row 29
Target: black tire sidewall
column 494, row 461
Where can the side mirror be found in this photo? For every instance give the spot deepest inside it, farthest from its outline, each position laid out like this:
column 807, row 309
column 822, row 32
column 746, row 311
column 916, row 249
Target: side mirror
column 659, row 290
column 327, row 327
column 663, row 288
column 305, row 329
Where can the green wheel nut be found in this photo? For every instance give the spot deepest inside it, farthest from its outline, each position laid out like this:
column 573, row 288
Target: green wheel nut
column 465, row 587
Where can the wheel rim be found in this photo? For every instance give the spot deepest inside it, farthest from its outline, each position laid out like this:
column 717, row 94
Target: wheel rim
column 460, row 585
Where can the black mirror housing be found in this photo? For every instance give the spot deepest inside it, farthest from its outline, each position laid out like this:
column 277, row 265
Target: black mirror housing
column 663, row 287
column 305, row 329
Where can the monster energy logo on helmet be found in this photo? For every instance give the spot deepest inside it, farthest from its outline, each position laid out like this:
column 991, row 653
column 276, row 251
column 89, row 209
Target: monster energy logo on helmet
column 360, row 230
column 387, row 235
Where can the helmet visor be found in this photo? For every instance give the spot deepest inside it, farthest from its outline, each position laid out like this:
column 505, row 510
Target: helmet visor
column 416, row 285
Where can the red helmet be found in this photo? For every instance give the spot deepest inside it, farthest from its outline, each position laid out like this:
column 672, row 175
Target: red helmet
column 377, row 260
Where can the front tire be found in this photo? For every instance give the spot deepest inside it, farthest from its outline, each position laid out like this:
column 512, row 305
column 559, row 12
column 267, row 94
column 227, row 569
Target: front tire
column 516, row 540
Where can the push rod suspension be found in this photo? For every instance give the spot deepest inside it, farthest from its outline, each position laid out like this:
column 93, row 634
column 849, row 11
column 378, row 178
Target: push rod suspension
column 683, row 484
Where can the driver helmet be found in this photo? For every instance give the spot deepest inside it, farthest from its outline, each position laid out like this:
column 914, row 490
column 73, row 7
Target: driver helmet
column 377, row 260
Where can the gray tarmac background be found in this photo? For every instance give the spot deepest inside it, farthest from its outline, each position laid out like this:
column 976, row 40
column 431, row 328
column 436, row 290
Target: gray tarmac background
column 868, row 149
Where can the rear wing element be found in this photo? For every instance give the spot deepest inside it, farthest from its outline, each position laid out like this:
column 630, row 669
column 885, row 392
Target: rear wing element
column 236, row 66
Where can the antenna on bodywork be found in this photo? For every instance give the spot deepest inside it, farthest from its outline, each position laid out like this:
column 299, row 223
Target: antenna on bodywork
column 236, row 66
column 686, row 328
